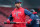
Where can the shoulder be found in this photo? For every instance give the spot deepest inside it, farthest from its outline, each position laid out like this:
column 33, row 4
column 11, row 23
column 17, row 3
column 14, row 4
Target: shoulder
column 13, row 11
column 26, row 10
column 22, row 9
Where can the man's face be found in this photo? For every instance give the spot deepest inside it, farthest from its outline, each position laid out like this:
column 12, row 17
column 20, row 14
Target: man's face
column 18, row 5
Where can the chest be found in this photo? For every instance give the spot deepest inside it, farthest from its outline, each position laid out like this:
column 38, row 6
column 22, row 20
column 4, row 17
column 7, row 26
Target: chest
column 18, row 13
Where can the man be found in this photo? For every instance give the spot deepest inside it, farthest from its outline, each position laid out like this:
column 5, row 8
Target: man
column 19, row 15
column 36, row 18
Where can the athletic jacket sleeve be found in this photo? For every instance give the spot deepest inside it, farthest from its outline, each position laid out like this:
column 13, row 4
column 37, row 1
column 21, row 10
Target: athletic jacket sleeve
column 29, row 14
column 10, row 17
column 32, row 16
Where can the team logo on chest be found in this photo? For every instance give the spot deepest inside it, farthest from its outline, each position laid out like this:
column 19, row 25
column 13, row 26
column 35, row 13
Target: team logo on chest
column 19, row 12
column 16, row 13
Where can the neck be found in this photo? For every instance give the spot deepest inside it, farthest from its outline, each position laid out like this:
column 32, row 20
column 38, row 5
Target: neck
column 17, row 7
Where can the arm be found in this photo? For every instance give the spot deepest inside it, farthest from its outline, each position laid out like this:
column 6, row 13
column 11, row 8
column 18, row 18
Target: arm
column 10, row 17
column 29, row 14
column 33, row 17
